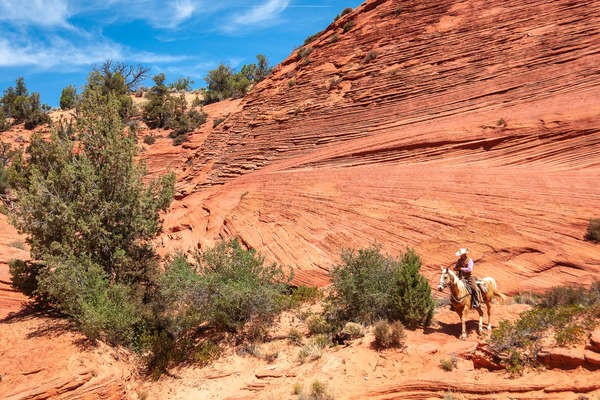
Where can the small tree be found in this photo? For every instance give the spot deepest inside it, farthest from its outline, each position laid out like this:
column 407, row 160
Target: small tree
column 219, row 84
column 4, row 124
column 369, row 286
column 91, row 201
column 182, row 84
column 6, row 154
column 164, row 110
column 262, row 68
column 21, row 106
column 107, row 81
column 67, row 97
column 133, row 75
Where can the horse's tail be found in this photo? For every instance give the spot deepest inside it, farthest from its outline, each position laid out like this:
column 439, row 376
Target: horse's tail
column 501, row 295
column 495, row 291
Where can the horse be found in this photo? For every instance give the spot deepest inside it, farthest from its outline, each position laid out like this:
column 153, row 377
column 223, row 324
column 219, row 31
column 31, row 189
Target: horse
column 460, row 298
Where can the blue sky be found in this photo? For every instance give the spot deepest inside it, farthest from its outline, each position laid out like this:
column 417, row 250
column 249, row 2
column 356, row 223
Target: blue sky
column 53, row 43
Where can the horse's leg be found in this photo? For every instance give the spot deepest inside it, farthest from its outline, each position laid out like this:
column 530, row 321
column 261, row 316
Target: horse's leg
column 489, row 313
column 480, row 327
column 463, row 336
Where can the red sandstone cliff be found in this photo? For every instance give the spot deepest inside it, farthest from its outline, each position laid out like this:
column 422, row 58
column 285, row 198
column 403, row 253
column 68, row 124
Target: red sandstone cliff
column 476, row 124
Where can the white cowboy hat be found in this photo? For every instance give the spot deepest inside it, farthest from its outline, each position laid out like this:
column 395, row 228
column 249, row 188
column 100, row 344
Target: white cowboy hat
column 462, row 251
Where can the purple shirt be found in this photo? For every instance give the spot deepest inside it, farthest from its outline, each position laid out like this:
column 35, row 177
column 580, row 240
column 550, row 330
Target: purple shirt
column 469, row 267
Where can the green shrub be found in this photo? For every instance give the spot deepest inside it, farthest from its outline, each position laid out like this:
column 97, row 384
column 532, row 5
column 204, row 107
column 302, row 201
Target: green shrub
column 369, row 286
column 17, row 245
column 569, row 334
column 334, row 38
column 81, row 289
column 182, row 84
column 36, row 118
column 297, row 296
column 316, row 324
column 180, row 139
column 223, row 82
column 353, row 330
column 446, row 365
column 593, row 230
column 18, row 104
column 22, row 106
column 348, row 26
column 346, row 11
column 569, row 311
column 90, row 218
column 67, row 97
column 318, row 391
column 297, row 389
column 206, row 352
column 295, row 337
column 169, row 112
column 527, row 298
column 111, row 80
column 304, row 52
column 371, row 55
column 226, row 286
column 6, row 156
column 196, row 102
column 24, row 276
column 149, row 139
column 389, row 335
column 570, row 296
column 217, row 122
column 322, row 340
column 4, row 124
column 312, row 38
column 313, row 349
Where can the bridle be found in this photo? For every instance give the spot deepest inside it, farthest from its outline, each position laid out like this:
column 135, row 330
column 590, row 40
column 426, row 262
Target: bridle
column 443, row 286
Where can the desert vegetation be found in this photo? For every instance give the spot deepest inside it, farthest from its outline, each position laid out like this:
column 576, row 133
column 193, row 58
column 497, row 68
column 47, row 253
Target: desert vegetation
column 170, row 111
column 223, row 83
column 20, row 106
column 369, row 286
column 593, row 230
column 68, row 97
column 564, row 313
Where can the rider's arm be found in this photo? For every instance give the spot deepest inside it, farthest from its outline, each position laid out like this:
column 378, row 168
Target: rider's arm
column 469, row 267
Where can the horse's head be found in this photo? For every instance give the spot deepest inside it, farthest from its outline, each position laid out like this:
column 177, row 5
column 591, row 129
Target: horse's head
column 444, row 279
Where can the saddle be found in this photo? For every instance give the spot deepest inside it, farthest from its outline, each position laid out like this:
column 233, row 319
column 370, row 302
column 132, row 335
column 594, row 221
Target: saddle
column 480, row 285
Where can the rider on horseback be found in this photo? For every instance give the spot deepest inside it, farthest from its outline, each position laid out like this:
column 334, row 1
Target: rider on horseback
column 464, row 268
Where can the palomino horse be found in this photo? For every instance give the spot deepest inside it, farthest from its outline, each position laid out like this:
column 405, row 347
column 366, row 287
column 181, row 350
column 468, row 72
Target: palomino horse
column 461, row 299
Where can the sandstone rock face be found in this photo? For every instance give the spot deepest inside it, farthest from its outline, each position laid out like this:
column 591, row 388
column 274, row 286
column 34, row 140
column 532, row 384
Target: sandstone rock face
column 595, row 341
column 476, row 125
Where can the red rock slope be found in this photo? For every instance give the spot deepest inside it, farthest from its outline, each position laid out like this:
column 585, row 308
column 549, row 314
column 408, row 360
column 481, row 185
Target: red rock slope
column 475, row 124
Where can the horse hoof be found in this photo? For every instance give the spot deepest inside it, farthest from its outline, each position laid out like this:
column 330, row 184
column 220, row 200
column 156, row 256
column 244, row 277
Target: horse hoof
column 463, row 337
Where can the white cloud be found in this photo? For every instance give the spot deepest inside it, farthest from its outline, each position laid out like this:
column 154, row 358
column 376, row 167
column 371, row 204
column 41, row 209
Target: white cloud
column 35, row 12
column 158, row 13
column 59, row 52
column 263, row 13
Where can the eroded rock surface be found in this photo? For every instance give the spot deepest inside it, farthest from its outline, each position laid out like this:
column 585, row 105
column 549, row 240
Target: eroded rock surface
column 476, row 125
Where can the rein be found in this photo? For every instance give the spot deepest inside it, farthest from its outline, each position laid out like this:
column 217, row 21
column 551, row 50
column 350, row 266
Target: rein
column 455, row 299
